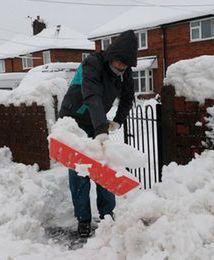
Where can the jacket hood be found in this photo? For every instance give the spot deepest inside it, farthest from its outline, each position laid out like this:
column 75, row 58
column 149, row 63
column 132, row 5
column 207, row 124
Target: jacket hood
column 124, row 49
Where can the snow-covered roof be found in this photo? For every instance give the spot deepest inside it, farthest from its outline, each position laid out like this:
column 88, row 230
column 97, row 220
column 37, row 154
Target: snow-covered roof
column 51, row 38
column 154, row 14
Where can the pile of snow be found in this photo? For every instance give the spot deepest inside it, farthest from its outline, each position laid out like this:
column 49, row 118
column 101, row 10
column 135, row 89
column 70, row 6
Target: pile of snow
column 172, row 221
column 193, row 78
column 116, row 155
column 29, row 200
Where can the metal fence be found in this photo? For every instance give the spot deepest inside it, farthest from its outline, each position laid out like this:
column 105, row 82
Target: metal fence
column 142, row 130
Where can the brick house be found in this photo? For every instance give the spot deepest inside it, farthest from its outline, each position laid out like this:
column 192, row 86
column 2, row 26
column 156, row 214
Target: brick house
column 165, row 36
column 54, row 44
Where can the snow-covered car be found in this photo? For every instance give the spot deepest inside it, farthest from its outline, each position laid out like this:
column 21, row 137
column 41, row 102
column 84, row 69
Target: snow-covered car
column 9, row 81
column 65, row 70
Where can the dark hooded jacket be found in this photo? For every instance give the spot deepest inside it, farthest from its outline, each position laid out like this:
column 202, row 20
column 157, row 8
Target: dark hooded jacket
column 89, row 99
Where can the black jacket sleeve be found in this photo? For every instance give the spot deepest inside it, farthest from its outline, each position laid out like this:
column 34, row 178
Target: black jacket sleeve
column 92, row 92
column 126, row 99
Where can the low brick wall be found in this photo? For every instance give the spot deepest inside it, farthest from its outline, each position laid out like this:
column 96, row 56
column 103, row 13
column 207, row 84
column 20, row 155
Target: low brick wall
column 24, row 130
column 182, row 134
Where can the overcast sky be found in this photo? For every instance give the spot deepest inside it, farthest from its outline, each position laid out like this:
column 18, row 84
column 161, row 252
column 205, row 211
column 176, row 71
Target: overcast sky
column 13, row 16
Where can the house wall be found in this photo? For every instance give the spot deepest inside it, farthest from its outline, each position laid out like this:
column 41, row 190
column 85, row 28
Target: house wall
column 8, row 65
column 57, row 55
column 98, row 45
column 155, row 48
column 178, row 47
column 13, row 65
column 38, row 59
column 64, row 55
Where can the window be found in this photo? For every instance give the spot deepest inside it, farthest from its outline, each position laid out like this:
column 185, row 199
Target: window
column 105, row 43
column 27, row 61
column 46, row 57
column 84, row 55
column 142, row 40
column 143, row 81
column 203, row 29
column 2, row 66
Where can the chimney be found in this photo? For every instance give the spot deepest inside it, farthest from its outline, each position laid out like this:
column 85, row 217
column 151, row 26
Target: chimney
column 58, row 27
column 38, row 25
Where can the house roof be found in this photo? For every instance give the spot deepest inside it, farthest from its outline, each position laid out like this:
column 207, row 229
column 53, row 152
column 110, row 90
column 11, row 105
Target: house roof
column 51, row 38
column 153, row 15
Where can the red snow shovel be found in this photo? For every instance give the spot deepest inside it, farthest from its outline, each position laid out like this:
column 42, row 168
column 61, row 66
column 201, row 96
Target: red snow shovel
column 101, row 174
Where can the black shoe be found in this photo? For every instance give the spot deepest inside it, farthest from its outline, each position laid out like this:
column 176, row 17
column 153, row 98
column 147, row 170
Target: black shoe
column 111, row 214
column 84, row 229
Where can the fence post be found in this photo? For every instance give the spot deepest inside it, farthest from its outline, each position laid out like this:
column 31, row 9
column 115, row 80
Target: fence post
column 125, row 130
column 159, row 141
column 168, row 124
column 55, row 104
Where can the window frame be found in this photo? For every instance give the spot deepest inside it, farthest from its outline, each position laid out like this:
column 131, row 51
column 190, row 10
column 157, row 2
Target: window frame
column 102, row 42
column 2, row 62
column 200, row 29
column 147, row 81
column 49, row 57
column 25, row 59
column 139, row 39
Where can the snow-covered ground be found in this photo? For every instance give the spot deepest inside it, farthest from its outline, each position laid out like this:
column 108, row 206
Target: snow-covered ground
column 172, row 221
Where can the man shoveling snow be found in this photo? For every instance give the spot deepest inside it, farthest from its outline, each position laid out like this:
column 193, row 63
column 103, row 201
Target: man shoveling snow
column 99, row 80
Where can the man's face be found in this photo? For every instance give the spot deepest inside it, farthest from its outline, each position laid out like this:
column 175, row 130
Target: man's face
column 118, row 65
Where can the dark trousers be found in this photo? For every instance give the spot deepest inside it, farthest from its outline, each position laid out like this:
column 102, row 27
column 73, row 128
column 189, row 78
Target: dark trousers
column 80, row 189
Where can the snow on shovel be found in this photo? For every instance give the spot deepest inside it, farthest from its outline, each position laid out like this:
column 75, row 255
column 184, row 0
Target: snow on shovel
column 105, row 165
